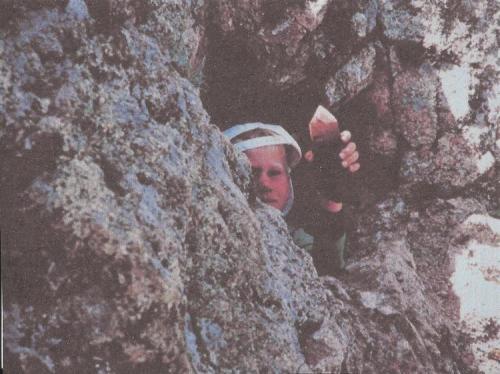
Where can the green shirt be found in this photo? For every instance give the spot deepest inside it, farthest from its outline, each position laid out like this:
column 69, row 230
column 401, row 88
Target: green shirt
column 328, row 256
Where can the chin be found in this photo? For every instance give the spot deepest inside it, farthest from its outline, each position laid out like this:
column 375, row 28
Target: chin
column 278, row 206
column 274, row 203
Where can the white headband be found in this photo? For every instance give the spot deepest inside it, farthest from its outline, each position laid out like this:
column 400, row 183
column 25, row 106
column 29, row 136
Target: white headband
column 280, row 137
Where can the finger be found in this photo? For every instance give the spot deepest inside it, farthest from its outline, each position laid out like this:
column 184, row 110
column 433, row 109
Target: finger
column 309, row 156
column 333, row 206
column 348, row 150
column 330, row 205
column 354, row 167
column 351, row 159
column 345, row 136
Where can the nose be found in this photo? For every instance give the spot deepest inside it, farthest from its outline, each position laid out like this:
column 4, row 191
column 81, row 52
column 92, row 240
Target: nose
column 264, row 183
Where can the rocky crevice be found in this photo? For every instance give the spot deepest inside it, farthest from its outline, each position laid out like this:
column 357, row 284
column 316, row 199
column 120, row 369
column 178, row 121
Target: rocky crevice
column 130, row 238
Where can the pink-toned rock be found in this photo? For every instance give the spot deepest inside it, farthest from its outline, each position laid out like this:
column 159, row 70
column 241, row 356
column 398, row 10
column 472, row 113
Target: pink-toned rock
column 383, row 142
column 414, row 103
column 379, row 95
column 454, row 165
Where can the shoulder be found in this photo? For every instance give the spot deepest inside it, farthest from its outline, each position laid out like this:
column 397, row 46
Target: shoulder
column 302, row 238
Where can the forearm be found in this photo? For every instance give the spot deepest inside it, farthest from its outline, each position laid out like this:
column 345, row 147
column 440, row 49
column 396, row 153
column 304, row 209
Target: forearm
column 328, row 255
column 329, row 242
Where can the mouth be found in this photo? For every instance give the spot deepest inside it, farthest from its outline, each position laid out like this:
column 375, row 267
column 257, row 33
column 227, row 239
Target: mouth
column 268, row 200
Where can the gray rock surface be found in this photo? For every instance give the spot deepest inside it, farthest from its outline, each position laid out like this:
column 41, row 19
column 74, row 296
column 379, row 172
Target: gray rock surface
column 414, row 103
column 351, row 78
column 131, row 241
column 455, row 164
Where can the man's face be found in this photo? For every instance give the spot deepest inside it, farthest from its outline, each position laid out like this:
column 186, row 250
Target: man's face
column 270, row 174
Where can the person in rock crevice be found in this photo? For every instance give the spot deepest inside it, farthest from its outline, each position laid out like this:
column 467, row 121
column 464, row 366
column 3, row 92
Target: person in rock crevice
column 316, row 224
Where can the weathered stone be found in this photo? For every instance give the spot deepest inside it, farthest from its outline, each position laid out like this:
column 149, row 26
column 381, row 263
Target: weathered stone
column 409, row 239
column 457, row 163
column 91, row 271
column 275, row 34
column 364, row 19
column 453, row 151
column 394, row 61
column 382, row 139
column 130, row 239
column 423, row 22
column 414, row 102
column 351, row 78
column 383, row 142
column 496, row 147
column 445, row 118
column 360, row 24
column 416, row 165
column 379, row 95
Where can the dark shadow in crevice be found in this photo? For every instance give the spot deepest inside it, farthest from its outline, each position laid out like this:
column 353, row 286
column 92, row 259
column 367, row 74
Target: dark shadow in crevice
column 234, row 91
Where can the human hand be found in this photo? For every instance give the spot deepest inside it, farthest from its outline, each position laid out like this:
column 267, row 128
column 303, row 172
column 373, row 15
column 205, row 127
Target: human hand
column 349, row 157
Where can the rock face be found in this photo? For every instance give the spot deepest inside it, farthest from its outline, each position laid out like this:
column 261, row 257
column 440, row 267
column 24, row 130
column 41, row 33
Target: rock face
column 477, row 261
column 353, row 77
column 414, row 103
column 131, row 241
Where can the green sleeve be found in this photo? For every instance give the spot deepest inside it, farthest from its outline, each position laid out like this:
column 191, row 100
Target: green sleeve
column 302, row 239
column 328, row 255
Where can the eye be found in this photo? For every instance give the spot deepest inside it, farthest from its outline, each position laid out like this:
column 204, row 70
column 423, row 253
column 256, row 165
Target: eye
column 274, row 172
